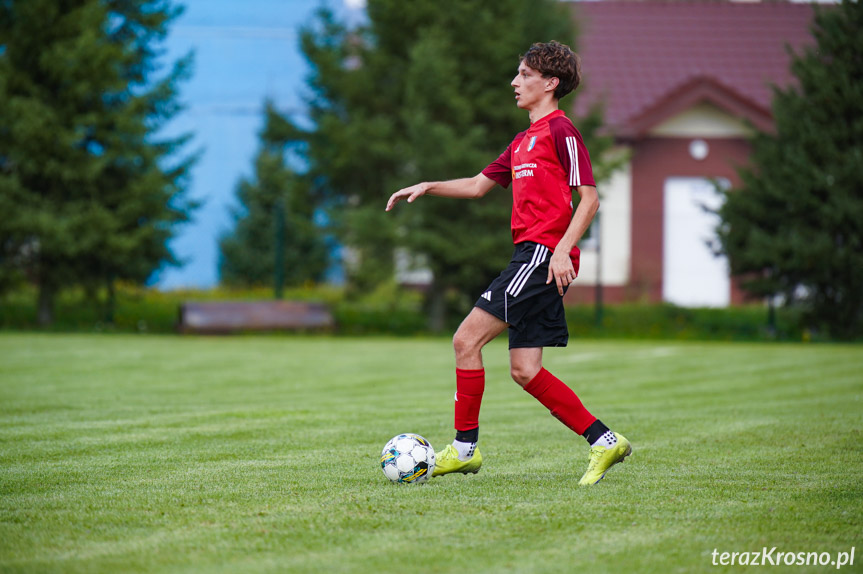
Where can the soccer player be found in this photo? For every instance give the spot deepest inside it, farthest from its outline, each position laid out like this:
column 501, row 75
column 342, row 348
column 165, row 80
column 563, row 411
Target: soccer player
column 545, row 164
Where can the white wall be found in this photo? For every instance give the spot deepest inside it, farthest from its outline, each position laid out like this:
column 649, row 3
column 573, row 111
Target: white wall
column 615, row 214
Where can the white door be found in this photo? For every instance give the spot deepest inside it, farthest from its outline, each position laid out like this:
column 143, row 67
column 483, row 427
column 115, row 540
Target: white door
column 692, row 276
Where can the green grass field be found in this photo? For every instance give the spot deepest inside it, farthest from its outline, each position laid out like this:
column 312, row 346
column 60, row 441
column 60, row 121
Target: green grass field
column 133, row 453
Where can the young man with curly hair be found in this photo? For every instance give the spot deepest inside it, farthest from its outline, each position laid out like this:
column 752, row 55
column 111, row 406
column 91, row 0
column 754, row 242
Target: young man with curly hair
column 544, row 164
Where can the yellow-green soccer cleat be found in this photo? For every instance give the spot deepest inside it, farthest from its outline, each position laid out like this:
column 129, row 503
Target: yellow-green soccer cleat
column 602, row 459
column 447, row 462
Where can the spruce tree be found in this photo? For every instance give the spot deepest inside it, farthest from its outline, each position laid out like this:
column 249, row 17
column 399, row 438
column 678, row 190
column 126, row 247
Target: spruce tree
column 88, row 191
column 794, row 228
column 276, row 206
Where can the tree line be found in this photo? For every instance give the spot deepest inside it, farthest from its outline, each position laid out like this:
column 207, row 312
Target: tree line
column 90, row 193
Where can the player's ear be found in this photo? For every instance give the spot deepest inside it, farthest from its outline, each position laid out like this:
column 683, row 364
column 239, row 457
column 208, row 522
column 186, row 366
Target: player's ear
column 552, row 83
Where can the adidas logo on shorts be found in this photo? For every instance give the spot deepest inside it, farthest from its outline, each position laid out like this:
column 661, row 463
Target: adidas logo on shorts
column 487, row 296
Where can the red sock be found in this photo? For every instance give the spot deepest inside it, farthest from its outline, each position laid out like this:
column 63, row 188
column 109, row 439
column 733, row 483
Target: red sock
column 560, row 400
column 469, row 385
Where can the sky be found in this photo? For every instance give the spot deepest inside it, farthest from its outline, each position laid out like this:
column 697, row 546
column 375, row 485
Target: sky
column 244, row 52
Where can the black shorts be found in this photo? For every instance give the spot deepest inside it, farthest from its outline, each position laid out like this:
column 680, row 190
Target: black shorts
column 521, row 297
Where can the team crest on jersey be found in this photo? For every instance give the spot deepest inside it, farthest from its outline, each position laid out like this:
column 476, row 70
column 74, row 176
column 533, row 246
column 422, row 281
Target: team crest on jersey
column 532, row 143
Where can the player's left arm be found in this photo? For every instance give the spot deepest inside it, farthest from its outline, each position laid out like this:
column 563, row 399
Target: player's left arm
column 560, row 269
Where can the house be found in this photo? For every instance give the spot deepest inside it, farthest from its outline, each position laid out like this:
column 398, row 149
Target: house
column 681, row 84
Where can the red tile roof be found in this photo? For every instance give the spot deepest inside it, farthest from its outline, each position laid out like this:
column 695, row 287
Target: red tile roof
column 636, row 54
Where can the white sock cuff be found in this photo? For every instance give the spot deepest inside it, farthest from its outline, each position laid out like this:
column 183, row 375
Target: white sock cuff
column 607, row 440
column 465, row 449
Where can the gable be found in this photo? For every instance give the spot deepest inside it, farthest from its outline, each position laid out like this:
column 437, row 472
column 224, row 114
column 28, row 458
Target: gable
column 701, row 93
column 703, row 120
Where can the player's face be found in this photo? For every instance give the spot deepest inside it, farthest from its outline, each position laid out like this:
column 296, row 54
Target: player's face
column 530, row 87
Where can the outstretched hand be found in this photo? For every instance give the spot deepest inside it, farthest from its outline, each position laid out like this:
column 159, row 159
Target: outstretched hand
column 560, row 270
column 410, row 193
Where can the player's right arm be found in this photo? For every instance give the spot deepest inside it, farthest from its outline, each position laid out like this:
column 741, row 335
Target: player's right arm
column 465, row 188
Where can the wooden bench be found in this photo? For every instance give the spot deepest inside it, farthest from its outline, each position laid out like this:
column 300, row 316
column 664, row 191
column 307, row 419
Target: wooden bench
column 220, row 317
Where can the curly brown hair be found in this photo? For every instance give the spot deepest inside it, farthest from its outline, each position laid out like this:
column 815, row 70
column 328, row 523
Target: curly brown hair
column 555, row 60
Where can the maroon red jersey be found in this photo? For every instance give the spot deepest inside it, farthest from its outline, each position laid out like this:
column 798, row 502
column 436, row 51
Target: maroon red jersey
column 544, row 163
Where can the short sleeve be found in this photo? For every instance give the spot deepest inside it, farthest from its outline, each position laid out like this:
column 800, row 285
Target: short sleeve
column 571, row 152
column 500, row 170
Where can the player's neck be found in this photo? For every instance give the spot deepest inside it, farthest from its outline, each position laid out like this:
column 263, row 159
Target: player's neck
column 541, row 110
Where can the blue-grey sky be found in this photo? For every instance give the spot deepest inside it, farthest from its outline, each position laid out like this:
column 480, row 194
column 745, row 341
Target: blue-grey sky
column 244, row 52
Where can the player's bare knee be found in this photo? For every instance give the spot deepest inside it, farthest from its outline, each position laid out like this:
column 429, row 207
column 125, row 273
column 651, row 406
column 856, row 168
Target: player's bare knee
column 463, row 344
column 522, row 374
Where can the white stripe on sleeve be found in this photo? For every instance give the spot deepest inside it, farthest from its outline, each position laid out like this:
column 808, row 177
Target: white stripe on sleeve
column 574, row 175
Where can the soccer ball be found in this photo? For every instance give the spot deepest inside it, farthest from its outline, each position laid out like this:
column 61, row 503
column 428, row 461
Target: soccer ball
column 408, row 458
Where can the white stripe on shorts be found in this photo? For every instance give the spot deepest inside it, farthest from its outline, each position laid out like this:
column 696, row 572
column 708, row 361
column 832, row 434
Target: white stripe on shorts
column 518, row 282
column 525, row 268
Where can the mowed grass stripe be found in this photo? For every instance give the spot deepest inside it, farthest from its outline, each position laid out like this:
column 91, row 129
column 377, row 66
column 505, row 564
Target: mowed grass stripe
column 259, row 454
